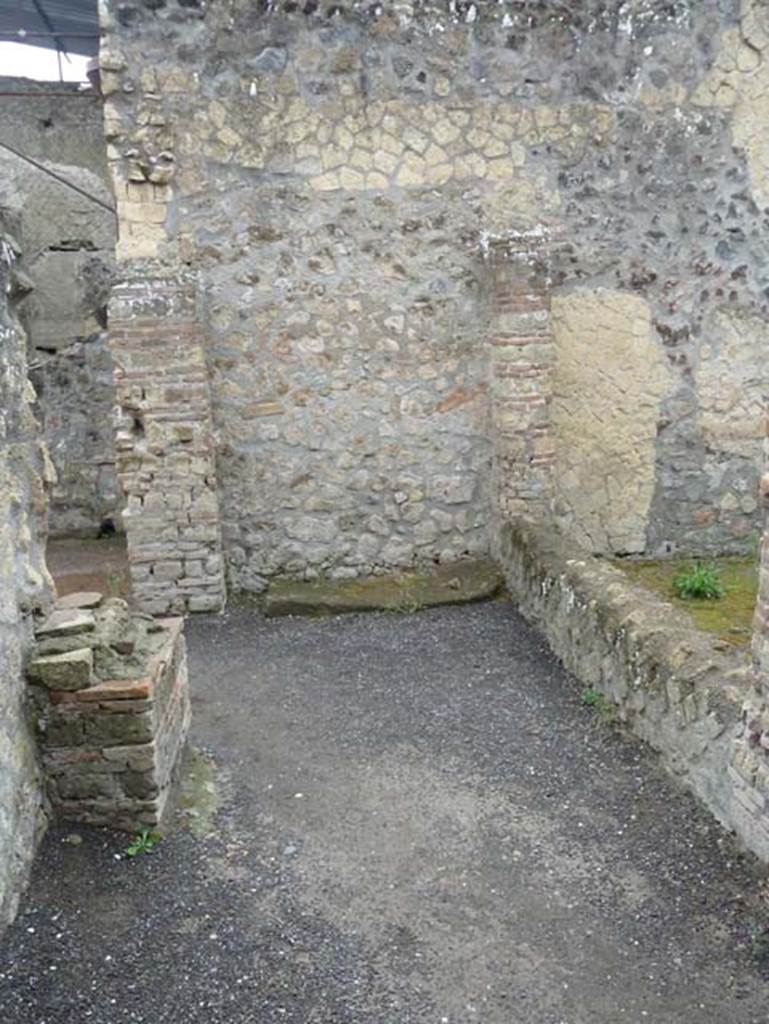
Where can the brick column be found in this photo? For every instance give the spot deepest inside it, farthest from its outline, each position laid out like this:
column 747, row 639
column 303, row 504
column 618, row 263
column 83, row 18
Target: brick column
column 521, row 359
column 164, row 448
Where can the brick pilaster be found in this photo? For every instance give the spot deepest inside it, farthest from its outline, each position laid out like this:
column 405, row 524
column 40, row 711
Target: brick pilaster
column 521, row 360
column 165, row 449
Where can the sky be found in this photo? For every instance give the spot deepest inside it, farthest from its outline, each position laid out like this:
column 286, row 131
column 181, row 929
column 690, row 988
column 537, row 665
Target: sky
column 18, row 59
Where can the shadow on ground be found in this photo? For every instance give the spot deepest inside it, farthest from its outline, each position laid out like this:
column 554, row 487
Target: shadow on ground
column 417, row 822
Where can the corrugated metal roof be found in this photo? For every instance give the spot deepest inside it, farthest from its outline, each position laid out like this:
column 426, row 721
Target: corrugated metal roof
column 71, row 25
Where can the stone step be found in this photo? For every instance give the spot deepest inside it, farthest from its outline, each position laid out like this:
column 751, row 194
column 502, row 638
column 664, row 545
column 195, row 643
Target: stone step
column 454, row 583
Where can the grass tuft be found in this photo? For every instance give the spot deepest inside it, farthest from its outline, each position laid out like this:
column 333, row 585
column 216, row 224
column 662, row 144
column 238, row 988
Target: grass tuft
column 699, row 582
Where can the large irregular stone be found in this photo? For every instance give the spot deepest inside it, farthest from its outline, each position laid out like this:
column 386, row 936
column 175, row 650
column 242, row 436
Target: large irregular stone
column 70, row 671
column 67, row 622
column 80, row 599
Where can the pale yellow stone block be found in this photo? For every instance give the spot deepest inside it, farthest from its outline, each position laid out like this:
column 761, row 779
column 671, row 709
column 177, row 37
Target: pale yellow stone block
column 307, row 150
column 110, row 82
column 415, row 140
column 435, row 155
column 175, row 80
column 500, row 170
column 296, row 132
column 517, row 154
column 217, row 113
column 139, row 192
column 228, row 137
column 351, row 179
column 391, row 144
column 477, row 139
column 343, row 138
column 495, row 148
column 325, row 182
column 439, row 174
column 332, row 157
column 130, row 247
column 376, row 181
column 141, row 213
column 250, row 155
column 461, row 118
column 470, row 166
column 445, row 132
column 385, row 162
column 362, row 160
column 412, row 171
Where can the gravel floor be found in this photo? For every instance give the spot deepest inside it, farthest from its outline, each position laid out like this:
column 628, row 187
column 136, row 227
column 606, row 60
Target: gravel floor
column 417, row 822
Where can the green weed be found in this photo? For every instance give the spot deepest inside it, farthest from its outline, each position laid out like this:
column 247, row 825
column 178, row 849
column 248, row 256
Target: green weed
column 143, row 842
column 600, row 704
column 699, row 581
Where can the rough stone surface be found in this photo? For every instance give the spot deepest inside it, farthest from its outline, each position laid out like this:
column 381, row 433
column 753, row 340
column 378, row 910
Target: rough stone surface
column 112, row 719
column 68, row 242
column 24, row 586
column 682, row 691
column 79, row 599
column 76, row 392
column 417, row 821
column 71, row 670
column 328, row 175
column 610, row 377
column 67, row 622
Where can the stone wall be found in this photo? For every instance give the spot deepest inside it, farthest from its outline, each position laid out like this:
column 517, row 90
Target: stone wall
column 68, row 240
column 76, row 392
column 329, row 172
column 24, row 585
column 687, row 694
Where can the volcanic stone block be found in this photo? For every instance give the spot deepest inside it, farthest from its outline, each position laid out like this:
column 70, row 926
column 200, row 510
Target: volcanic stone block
column 70, row 671
column 67, row 622
column 80, row 599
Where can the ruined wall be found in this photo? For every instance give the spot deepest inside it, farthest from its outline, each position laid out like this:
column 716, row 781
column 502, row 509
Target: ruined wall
column 24, row 586
column 76, row 392
column 329, row 172
column 68, row 241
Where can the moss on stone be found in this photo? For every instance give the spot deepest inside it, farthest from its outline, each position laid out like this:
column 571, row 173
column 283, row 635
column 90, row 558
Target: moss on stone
column 454, row 583
column 729, row 617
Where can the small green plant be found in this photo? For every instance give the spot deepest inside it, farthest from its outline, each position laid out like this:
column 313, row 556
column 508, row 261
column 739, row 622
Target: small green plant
column 602, row 706
column 699, row 581
column 143, row 842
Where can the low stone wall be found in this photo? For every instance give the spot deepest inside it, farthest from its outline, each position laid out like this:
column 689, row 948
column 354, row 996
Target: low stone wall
column 110, row 692
column 686, row 693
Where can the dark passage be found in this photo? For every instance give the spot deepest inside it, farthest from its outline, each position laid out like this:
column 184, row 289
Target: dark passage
column 417, row 822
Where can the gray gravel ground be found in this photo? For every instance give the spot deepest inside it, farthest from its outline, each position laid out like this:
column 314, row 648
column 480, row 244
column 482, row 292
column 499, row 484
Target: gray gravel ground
column 418, row 824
